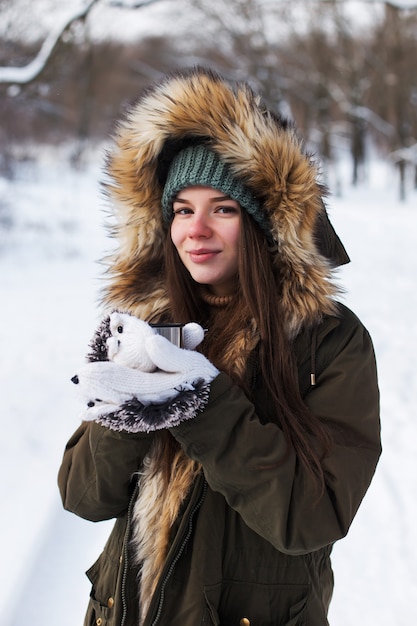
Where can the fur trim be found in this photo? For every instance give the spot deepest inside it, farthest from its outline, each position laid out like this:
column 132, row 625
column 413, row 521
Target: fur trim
column 98, row 346
column 154, row 513
column 260, row 148
column 236, row 352
column 135, row 417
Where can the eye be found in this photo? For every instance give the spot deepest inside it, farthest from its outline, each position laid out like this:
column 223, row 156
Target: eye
column 227, row 209
column 182, row 211
column 120, row 329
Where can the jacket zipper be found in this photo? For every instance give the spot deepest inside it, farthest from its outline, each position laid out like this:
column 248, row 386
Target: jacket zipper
column 125, row 555
column 178, row 555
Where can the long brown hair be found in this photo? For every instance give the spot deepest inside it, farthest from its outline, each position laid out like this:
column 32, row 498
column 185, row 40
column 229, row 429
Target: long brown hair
column 257, row 303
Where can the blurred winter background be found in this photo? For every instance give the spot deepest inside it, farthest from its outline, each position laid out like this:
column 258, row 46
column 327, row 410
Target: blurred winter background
column 345, row 71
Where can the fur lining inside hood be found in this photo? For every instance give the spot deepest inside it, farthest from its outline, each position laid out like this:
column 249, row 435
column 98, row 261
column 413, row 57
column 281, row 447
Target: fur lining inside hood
column 263, row 150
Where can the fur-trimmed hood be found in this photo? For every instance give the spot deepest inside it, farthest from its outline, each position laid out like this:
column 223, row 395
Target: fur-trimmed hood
column 259, row 147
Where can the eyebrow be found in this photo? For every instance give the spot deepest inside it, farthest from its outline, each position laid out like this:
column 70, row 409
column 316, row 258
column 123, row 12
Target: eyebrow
column 217, row 199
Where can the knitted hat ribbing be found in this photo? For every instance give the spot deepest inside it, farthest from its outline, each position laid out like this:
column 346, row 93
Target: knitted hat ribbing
column 198, row 165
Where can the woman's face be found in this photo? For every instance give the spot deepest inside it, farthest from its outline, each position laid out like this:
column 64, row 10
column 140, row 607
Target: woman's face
column 205, row 231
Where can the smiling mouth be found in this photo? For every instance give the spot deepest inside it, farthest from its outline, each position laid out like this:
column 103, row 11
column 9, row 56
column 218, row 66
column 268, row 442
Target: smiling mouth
column 202, row 255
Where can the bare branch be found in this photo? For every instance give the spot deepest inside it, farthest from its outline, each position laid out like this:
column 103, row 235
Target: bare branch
column 28, row 73
column 131, row 5
column 400, row 6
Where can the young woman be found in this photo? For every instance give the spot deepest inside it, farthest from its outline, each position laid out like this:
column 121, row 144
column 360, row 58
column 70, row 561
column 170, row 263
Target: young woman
column 231, row 469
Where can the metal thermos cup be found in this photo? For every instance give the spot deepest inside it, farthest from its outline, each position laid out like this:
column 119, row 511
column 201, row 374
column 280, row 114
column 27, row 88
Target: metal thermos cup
column 172, row 332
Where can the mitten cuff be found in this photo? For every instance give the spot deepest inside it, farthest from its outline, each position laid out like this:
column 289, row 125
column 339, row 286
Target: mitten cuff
column 134, row 417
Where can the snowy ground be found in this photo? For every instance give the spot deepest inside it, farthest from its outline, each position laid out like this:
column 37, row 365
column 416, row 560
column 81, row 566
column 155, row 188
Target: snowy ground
column 50, row 237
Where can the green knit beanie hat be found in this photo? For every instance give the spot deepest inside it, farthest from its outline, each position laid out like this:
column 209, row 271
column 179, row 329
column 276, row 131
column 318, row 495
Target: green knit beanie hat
column 198, row 165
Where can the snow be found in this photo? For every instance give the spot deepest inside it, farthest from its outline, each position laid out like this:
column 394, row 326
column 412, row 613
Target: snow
column 50, row 237
column 29, row 72
column 32, row 21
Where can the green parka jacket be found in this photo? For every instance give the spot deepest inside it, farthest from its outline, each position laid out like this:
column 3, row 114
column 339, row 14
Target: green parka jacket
column 255, row 537
column 251, row 544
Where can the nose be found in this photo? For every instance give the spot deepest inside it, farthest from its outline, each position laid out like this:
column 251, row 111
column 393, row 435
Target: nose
column 199, row 226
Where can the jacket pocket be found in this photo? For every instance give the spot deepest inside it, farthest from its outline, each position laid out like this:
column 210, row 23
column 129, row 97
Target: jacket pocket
column 103, row 576
column 262, row 605
column 297, row 614
column 97, row 614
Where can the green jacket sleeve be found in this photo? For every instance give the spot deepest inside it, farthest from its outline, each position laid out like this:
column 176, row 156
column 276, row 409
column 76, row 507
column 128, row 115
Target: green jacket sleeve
column 96, row 471
column 249, row 462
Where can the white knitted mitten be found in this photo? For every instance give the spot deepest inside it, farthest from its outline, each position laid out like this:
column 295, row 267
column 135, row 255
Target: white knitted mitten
column 192, row 335
column 125, row 398
column 111, row 383
column 126, row 344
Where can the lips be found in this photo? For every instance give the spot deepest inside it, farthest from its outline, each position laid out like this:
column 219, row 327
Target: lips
column 202, row 255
